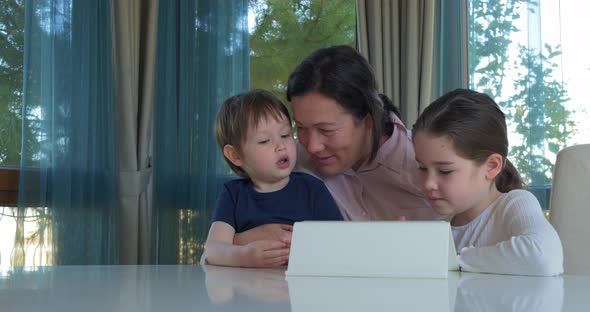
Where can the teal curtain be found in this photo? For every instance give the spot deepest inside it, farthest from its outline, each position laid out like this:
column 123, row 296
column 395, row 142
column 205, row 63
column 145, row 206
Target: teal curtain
column 452, row 49
column 202, row 58
column 67, row 166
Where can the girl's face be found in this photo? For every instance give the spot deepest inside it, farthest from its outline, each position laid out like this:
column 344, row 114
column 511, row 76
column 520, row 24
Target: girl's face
column 454, row 185
column 335, row 139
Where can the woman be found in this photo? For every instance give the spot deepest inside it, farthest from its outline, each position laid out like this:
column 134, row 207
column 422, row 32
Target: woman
column 351, row 138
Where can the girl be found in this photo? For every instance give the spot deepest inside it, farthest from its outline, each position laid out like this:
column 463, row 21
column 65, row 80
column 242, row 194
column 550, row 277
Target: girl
column 461, row 147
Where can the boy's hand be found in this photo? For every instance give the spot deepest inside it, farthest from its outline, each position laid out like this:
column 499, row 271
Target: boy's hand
column 276, row 232
column 266, row 253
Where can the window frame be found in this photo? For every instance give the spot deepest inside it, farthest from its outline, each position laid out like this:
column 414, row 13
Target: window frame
column 9, row 181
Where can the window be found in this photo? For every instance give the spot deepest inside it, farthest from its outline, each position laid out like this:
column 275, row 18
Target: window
column 31, row 224
column 12, row 21
column 282, row 33
column 537, row 74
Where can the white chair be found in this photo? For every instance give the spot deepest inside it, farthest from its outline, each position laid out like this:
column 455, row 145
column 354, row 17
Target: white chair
column 570, row 207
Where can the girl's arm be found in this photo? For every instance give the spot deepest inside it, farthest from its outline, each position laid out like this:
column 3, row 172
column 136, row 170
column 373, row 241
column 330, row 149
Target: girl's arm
column 220, row 249
column 534, row 247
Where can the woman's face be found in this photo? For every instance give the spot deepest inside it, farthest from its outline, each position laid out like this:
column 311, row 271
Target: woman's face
column 334, row 138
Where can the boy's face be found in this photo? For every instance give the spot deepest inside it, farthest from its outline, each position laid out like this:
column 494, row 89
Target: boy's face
column 268, row 154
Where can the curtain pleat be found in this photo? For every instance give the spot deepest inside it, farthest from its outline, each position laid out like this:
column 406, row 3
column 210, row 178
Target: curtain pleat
column 134, row 36
column 401, row 41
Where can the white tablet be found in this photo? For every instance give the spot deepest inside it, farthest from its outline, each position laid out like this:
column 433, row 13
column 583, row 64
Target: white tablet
column 412, row 249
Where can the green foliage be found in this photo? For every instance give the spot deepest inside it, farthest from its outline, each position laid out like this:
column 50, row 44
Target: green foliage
column 535, row 103
column 11, row 68
column 286, row 31
column 12, row 49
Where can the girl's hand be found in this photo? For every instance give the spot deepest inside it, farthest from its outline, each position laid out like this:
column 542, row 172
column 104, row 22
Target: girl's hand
column 266, row 254
column 276, row 232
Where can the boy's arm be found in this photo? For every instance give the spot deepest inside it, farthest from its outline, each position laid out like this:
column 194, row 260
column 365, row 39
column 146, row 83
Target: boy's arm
column 221, row 250
column 219, row 247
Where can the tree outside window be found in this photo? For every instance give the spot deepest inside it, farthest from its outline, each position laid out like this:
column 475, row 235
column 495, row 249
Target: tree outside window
column 522, row 68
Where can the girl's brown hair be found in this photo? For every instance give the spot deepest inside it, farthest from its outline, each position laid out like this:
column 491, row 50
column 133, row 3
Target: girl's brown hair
column 476, row 126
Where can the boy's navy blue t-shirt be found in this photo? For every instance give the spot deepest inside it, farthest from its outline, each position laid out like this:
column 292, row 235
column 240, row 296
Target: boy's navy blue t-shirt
column 303, row 198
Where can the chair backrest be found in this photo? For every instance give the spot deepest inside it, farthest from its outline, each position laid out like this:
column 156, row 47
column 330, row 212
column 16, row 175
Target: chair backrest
column 570, row 207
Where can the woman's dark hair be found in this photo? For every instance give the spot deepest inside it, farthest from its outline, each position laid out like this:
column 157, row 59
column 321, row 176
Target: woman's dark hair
column 343, row 74
column 476, row 126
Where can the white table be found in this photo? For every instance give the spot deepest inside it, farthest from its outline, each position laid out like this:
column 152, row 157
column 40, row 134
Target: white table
column 211, row 288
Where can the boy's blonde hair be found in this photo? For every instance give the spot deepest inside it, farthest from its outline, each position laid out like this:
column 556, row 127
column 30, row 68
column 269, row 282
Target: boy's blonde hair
column 240, row 111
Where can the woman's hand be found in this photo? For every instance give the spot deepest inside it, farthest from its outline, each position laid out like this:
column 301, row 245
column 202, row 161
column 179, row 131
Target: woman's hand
column 266, row 254
column 276, row 232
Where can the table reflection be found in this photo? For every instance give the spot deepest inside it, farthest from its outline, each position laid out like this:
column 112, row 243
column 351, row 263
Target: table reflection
column 213, row 288
column 371, row 294
column 225, row 283
column 459, row 292
column 491, row 292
